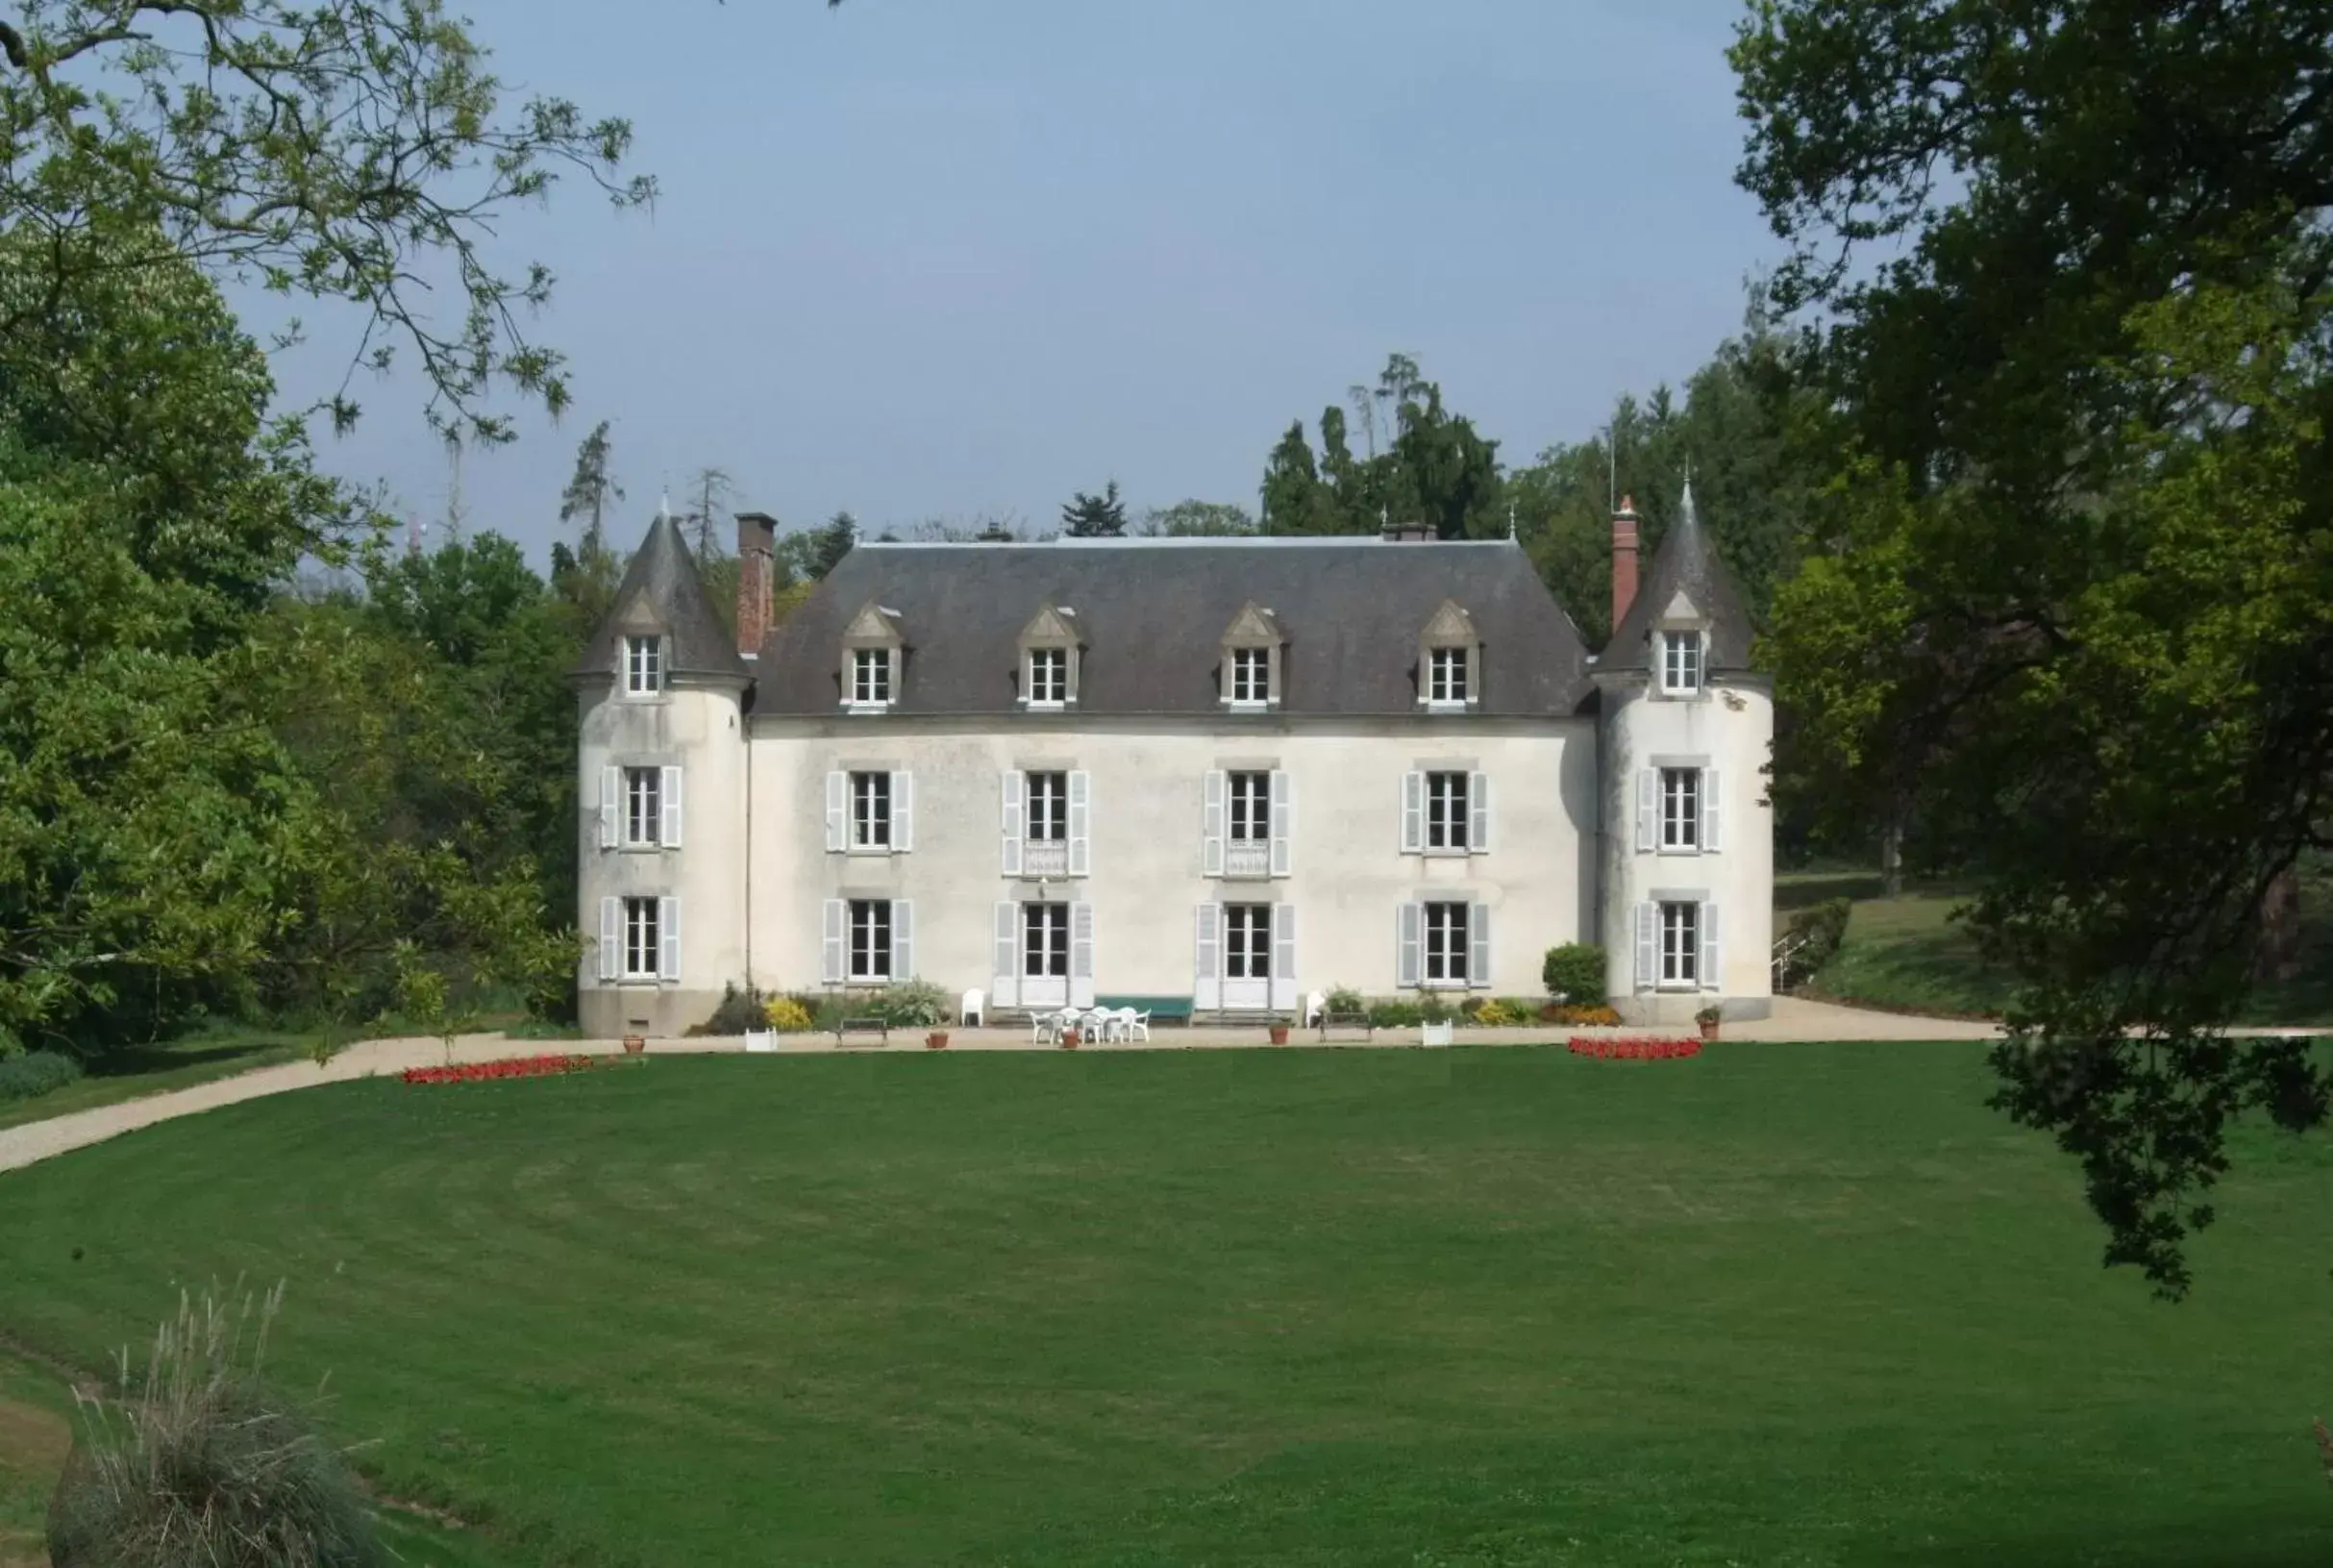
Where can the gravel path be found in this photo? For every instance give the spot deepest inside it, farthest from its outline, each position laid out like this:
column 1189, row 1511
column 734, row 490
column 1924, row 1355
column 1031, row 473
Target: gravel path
column 1793, row 1019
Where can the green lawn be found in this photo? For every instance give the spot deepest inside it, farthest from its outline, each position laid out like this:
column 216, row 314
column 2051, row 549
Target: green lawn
column 137, row 1071
column 1782, row 1304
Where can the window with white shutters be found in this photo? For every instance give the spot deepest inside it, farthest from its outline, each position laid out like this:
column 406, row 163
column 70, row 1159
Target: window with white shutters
column 1045, row 941
column 643, row 946
column 643, row 806
column 1247, row 941
column 1448, row 950
column 1681, row 936
column 870, row 940
column 1680, row 808
column 870, row 810
column 1048, row 808
column 1448, row 822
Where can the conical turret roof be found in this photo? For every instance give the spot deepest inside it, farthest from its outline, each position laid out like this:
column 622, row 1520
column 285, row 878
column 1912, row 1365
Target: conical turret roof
column 1687, row 568
column 662, row 592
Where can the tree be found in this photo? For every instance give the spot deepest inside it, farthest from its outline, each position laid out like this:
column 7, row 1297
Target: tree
column 1095, row 516
column 1197, row 519
column 343, row 151
column 2066, row 612
column 709, row 490
column 590, row 489
column 812, row 554
column 1434, row 470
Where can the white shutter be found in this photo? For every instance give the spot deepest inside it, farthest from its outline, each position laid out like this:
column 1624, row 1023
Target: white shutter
column 1648, row 946
column 1211, row 825
column 669, row 939
column 612, row 938
column 611, row 808
column 1283, row 955
column 670, row 793
column 1283, row 823
column 1081, row 823
column 1479, row 812
column 833, row 950
column 903, row 811
column 839, row 801
column 1478, row 946
column 1709, row 810
column 1016, row 807
column 1408, row 955
column 903, row 939
column 1006, row 990
column 1413, row 814
column 1711, row 980
column 1648, row 810
column 1082, row 954
column 1206, row 989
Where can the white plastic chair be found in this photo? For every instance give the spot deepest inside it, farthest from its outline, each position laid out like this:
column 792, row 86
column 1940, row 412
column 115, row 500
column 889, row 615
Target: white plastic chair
column 971, row 1014
column 1094, row 1024
column 1314, row 1005
column 760, row 1040
column 1137, row 1024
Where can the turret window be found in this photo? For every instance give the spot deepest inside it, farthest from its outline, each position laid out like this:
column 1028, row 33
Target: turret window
column 1680, row 808
column 643, row 665
column 643, row 806
column 1680, row 662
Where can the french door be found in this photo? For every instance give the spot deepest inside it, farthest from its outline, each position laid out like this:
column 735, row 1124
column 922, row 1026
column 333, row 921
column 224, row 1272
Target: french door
column 1246, row 959
column 1044, row 955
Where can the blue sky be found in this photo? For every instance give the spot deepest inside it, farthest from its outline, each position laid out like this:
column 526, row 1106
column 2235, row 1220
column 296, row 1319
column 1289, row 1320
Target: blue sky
column 957, row 257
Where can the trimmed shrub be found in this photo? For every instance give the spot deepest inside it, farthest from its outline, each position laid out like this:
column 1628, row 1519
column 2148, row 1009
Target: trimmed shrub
column 1814, row 935
column 35, row 1072
column 1344, row 999
column 788, row 1016
column 1598, row 1016
column 1395, row 1014
column 914, row 1004
column 740, row 1009
column 1496, row 1014
column 196, row 1464
column 1576, row 972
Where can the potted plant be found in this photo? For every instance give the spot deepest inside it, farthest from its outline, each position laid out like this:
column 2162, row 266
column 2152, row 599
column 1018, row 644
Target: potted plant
column 1708, row 1018
column 936, row 1040
column 634, row 1044
column 1278, row 1028
column 1069, row 1038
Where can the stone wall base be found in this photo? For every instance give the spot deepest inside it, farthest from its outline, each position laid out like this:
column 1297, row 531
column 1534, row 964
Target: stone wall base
column 1676, row 1009
column 659, row 1011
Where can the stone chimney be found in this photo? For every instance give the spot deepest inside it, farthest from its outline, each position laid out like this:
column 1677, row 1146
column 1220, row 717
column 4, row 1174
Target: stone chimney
column 757, row 550
column 1623, row 559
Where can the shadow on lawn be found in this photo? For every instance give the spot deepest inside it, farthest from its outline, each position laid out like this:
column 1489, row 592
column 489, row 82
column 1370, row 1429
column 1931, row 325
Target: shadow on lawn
column 139, row 1061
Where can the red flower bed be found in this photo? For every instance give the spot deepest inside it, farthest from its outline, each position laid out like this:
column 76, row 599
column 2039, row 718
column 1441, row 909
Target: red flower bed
column 1634, row 1050
column 480, row 1072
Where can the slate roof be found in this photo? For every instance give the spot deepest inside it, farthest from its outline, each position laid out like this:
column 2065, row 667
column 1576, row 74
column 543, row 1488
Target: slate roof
column 1688, row 562
column 1151, row 616
column 661, row 590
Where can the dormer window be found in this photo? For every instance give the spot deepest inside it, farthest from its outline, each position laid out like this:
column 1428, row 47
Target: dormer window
column 643, row 665
column 870, row 677
column 1449, row 662
column 1680, row 662
column 873, row 647
column 1050, row 650
column 1250, row 674
column 1048, row 677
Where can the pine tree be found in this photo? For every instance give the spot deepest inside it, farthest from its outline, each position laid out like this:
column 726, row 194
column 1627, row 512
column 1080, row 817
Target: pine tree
column 1095, row 516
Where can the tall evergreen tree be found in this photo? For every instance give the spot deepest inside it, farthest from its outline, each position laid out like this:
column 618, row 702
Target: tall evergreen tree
column 1095, row 516
column 590, row 490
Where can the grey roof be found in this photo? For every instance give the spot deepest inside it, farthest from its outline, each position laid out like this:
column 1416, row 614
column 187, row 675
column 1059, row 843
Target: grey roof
column 1151, row 614
column 1686, row 562
column 661, row 590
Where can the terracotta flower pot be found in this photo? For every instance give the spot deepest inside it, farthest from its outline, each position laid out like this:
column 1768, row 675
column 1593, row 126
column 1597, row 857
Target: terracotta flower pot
column 1709, row 1029
column 936, row 1040
column 1280, row 1033
column 634, row 1044
column 1069, row 1039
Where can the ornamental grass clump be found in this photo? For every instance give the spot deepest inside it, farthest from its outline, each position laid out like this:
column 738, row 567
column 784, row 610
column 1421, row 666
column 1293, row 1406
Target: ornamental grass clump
column 196, row 1464
column 34, row 1074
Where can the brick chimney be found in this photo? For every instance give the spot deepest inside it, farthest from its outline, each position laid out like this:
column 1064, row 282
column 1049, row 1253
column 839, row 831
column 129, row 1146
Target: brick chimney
column 757, row 549
column 1623, row 559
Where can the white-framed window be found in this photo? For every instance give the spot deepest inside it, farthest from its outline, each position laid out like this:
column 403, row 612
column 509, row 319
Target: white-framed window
column 1445, row 675
column 1447, row 815
column 643, row 806
column 1250, row 808
column 1048, row 677
column 1680, row 808
column 870, row 940
column 642, row 940
column 870, row 677
column 643, row 665
column 870, row 810
column 1252, row 675
column 1446, row 944
column 1048, row 808
column 1247, row 941
column 1045, row 941
column 1681, row 944
column 1680, row 662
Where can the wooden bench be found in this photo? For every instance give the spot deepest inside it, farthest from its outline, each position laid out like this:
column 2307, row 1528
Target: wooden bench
column 1348, row 1020
column 862, row 1026
column 1161, row 1009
